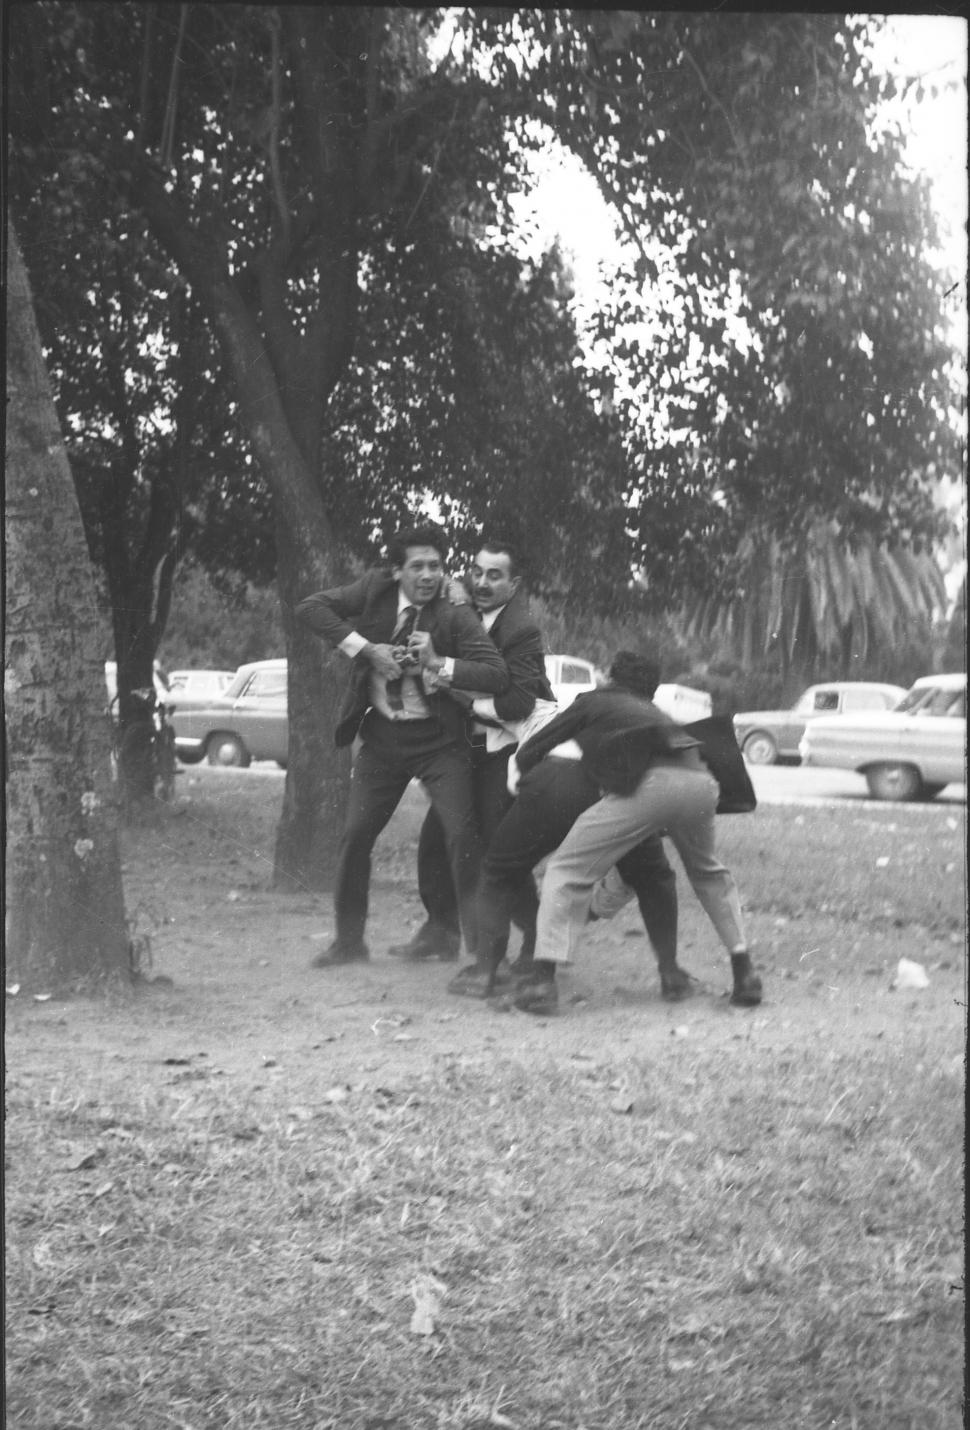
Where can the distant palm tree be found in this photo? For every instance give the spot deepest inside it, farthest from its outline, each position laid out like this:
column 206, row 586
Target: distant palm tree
column 821, row 601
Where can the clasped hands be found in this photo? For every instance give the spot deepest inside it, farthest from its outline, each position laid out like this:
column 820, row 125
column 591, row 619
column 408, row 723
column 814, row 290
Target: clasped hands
column 393, row 661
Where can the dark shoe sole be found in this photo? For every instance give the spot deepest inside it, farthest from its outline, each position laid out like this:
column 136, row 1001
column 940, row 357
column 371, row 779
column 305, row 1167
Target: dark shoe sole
column 471, row 983
column 677, row 986
column 422, row 952
column 338, row 960
column 747, row 994
column 539, row 999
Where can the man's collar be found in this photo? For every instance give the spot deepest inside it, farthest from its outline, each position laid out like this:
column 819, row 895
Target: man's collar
column 490, row 617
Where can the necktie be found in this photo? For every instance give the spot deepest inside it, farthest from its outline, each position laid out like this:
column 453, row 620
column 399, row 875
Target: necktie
column 406, row 624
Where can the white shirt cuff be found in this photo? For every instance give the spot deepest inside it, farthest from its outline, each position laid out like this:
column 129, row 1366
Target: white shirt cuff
column 353, row 644
column 484, row 707
column 448, row 668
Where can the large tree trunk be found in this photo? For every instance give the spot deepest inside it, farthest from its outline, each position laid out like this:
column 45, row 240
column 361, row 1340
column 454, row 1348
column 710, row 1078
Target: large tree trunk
column 65, row 905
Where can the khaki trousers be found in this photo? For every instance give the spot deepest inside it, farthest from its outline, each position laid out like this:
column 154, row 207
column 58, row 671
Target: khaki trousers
column 671, row 799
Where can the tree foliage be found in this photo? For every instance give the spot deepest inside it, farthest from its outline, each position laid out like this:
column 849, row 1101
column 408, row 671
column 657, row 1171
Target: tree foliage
column 330, row 187
column 817, row 604
column 781, row 321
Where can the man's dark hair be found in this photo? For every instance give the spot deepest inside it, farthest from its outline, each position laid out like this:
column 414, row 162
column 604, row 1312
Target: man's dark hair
column 635, row 672
column 425, row 535
column 501, row 547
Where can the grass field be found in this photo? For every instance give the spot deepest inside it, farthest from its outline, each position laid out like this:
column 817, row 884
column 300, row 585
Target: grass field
column 750, row 1231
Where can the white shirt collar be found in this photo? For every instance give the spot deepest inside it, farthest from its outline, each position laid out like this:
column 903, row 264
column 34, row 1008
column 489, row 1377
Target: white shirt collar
column 490, row 617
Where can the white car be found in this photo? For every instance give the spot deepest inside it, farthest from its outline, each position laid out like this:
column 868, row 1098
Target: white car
column 570, row 675
column 767, row 736
column 910, row 752
column 198, row 684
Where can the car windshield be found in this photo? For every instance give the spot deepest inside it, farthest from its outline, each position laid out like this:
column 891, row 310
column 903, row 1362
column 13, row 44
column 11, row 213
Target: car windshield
column 933, row 700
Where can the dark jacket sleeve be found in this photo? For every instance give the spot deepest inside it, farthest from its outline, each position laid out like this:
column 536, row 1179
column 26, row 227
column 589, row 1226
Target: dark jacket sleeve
column 478, row 665
column 564, row 726
column 523, row 655
column 331, row 614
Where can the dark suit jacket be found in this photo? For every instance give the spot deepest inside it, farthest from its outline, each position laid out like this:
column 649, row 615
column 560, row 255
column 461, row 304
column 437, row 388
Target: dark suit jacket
column 619, row 733
column 517, row 637
column 369, row 606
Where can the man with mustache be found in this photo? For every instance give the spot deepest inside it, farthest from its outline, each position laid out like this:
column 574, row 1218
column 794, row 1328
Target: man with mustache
column 499, row 597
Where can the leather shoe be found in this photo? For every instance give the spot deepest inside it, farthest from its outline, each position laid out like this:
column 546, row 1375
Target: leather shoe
column 747, row 985
column 339, row 953
column 475, row 981
column 676, row 983
column 539, row 998
column 427, row 945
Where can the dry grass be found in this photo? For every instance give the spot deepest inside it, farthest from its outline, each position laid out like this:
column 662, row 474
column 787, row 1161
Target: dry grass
column 750, row 1245
column 747, row 1232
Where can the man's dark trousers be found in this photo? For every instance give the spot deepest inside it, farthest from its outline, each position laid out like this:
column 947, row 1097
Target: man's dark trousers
column 391, row 754
column 550, row 799
column 492, row 802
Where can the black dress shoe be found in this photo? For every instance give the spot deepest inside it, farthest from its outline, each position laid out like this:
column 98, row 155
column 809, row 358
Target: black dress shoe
column 676, row 983
column 423, row 945
column 540, row 997
column 747, row 990
column 475, row 981
column 339, row 953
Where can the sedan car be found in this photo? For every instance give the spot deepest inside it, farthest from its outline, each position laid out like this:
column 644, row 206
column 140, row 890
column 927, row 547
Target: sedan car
column 766, row 736
column 249, row 720
column 198, row 684
column 569, row 676
column 246, row 722
column 911, row 752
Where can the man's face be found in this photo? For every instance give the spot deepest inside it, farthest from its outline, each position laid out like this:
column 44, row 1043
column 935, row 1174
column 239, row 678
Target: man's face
column 492, row 580
column 420, row 576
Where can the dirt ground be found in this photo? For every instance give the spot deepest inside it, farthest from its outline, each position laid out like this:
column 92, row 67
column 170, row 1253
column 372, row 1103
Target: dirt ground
column 235, row 996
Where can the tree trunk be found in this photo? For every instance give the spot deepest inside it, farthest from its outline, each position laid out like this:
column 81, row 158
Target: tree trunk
column 317, row 775
column 65, row 904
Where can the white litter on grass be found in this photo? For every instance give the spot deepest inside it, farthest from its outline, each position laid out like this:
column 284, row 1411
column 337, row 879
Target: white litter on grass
column 910, row 975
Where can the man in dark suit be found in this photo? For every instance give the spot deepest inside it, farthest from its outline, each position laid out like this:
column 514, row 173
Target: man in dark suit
column 500, row 599
column 410, row 646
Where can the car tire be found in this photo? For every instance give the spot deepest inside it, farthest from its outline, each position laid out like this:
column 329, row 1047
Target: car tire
column 760, row 749
column 894, row 781
column 227, row 751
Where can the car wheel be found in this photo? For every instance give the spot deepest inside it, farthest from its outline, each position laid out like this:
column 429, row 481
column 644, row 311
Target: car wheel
column 900, row 782
column 228, row 751
column 760, row 749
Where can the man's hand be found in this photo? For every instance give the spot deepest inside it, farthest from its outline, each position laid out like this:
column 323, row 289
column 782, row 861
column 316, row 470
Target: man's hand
column 382, row 659
column 420, row 646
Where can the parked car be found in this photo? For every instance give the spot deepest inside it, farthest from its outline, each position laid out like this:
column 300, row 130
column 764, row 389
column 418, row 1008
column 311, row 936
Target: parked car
column 198, row 685
column 246, row 722
column 569, row 676
column 911, row 752
column 766, row 736
column 682, row 702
